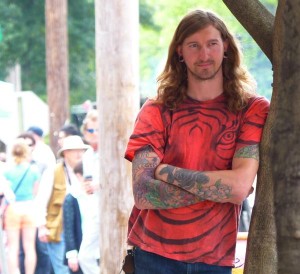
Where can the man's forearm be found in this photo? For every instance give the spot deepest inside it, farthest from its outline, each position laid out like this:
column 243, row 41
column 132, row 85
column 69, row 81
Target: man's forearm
column 219, row 186
column 155, row 194
column 150, row 193
column 196, row 182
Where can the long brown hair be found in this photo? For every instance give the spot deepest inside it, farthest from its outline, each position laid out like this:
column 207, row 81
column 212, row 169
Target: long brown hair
column 238, row 84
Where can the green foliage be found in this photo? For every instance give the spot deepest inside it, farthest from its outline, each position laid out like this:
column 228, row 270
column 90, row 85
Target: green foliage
column 1, row 35
column 23, row 24
column 145, row 15
column 23, row 41
column 81, row 28
column 154, row 44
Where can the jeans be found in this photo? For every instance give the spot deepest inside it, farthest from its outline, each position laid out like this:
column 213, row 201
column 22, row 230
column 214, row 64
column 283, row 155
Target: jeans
column 43, row 265
column 150, row 263
column 56, row 253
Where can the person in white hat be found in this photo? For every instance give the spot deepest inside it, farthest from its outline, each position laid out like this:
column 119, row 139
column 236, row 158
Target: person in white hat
column 54, row 186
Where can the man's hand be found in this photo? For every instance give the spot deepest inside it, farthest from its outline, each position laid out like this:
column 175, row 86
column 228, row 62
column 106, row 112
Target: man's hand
column 43, row 233
column 73, row 264
column 89, row 186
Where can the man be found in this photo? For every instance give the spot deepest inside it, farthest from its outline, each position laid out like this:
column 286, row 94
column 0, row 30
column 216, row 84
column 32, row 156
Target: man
column 194, row 153
column 90, row 132
column 55, row 184
column 89, row 252
column 42, row 153
column 65, row 131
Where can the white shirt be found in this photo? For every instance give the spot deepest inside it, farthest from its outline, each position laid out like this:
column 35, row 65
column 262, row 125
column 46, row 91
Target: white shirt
column 46, row 188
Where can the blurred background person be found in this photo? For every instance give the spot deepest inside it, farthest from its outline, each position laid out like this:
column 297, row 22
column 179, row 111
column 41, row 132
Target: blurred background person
column 72, row 222
column 42, row 153
column 55, row 185
column 19, row 218
column 91, row 179
column 2, row 157
column 29, row 139
column 90, row 134
column 81, row 222
column 67, row 130
column 43, row 265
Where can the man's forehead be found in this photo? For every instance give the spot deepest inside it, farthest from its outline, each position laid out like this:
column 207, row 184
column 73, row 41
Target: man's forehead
column 73, row 150
column 208, row 33
column 92, row 122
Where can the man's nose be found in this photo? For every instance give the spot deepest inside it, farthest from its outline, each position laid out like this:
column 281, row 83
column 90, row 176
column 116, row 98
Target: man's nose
column 203, row 53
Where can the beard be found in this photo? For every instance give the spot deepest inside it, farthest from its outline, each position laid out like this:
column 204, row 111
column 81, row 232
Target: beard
column 205, row 74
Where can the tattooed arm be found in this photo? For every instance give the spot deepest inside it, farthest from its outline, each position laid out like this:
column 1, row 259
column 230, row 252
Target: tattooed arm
column 219, row 186
column 150, row 193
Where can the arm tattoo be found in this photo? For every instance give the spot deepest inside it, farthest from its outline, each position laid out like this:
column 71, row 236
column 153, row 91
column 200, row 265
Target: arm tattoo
column 155, row 194
column 196, row 182
column 248, row 152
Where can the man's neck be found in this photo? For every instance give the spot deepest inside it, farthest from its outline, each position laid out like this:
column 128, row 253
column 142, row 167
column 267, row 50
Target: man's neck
column 95, row 147
column 69, row 165
column 204, row 90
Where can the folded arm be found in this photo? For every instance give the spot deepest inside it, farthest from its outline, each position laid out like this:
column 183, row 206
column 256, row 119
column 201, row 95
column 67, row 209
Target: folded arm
column 221, row 186
column 162, row 186
column 150, row 193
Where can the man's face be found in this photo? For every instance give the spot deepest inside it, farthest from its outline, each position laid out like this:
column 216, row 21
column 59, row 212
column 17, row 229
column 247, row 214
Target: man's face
column 61, row 137
column 73, row 156
column 91, row 133
column 203, row 53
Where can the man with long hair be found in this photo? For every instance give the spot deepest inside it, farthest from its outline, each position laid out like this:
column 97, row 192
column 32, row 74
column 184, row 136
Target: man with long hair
column 195, row 153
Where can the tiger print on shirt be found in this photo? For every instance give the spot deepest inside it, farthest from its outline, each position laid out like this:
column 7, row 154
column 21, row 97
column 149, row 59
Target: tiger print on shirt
column 200, row 136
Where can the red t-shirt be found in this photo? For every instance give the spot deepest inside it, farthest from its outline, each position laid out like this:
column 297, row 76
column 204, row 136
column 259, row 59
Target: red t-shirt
column 199, row 136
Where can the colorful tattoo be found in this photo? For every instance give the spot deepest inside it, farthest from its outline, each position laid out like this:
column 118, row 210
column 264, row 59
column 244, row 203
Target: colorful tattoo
column 155, row 194
column 196, row 183
column 248, row 152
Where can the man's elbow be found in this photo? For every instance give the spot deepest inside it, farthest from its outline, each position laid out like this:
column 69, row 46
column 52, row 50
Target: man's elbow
column 142, row 205
column 241, row 194
column 141, row 201
column 138, row 204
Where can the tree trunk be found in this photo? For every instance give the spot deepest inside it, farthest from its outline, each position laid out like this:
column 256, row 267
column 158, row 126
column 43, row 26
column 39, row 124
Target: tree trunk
column 261, row 255
column 262, row 252
column 285, row 148
column 57, row 66
column 256, row 19
column 117, row 47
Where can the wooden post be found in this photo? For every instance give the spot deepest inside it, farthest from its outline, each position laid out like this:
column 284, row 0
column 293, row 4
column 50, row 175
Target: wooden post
column 56, row 12
column 117, row 46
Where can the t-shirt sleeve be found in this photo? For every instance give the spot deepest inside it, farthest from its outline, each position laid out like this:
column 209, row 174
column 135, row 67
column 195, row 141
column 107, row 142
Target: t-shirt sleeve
column 253, row 122
column 148, row 131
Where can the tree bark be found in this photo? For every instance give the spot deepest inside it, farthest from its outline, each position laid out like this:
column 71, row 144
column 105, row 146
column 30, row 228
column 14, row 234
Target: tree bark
column 286, row 142
column 117, row 47
column 257, row 20
column 261, row 255
column 57, row 66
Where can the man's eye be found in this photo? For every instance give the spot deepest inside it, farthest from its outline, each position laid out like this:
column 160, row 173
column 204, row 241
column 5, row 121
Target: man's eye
column 212, row 43
column 193, row 45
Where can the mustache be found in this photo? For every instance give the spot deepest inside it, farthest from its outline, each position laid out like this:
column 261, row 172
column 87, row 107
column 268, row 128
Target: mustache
column 204, row 62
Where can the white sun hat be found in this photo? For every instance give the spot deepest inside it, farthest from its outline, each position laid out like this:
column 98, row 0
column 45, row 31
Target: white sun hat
column 72, row 143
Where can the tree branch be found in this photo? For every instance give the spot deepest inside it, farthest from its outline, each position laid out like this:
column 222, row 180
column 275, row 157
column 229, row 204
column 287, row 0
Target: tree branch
column 257, row 20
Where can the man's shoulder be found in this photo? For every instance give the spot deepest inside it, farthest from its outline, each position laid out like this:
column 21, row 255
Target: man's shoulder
column 43, row 153
column 259, row 100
